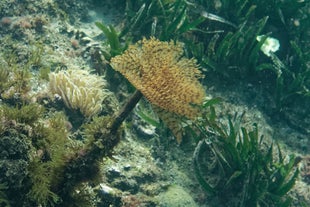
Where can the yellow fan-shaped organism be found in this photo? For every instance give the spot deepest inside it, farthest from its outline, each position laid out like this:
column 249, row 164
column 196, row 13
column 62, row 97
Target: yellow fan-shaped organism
column 166, row 78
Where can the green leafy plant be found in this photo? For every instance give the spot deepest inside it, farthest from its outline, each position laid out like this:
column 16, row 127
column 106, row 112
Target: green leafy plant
column 165, row 20
column 237, row 53
column 114, row 41
column 145, row 112
column 238, row 168
column 293, row 83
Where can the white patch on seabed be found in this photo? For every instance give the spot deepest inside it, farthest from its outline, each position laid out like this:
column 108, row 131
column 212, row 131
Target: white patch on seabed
column 270, row 45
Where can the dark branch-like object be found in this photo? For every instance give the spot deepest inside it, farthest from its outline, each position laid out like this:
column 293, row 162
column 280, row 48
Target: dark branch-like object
column 127, row 108
column 85, row 165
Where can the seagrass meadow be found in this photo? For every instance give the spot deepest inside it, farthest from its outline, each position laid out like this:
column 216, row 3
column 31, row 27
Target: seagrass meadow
column 167, row 103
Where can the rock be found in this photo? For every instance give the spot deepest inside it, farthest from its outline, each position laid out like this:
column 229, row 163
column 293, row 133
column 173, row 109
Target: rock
column 176, row 196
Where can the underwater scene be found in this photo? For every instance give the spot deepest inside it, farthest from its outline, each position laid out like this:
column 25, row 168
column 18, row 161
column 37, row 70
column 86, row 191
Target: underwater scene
column 154, row 103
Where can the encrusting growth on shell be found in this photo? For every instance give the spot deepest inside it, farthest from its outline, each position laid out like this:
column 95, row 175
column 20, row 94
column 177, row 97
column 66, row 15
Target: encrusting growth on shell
column 166, row 78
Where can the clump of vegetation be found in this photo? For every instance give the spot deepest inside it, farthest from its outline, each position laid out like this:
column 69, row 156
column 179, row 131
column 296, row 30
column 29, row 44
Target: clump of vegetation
column 238, row 168
column 236, row 55
column 27, row 114
column 114, row 41
column 53, row 150
column 165, row 20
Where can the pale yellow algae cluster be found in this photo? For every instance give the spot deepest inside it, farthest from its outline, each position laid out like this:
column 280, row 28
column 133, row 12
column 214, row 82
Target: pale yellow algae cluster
column 79, row 90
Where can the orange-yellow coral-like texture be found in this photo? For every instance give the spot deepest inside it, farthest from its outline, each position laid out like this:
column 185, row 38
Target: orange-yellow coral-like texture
column 166, row 78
